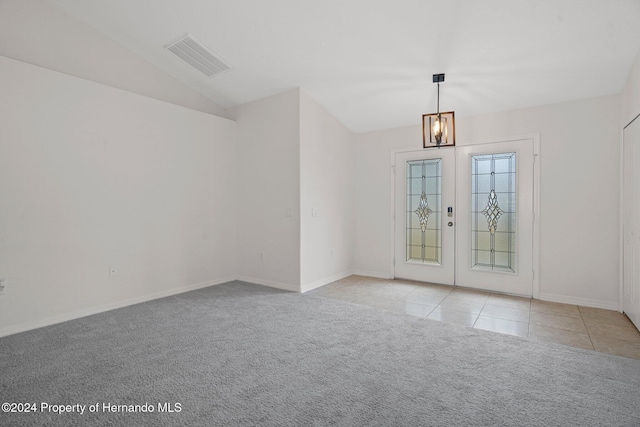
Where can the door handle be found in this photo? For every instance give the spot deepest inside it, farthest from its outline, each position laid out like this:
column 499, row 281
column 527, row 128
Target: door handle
column 450, row 224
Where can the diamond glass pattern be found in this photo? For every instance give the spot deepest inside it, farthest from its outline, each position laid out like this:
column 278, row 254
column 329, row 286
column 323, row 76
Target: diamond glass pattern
column 492, row 212
column 423, row 212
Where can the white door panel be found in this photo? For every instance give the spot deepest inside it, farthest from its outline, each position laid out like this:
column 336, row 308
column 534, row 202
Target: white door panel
column 424, row 188
column 494, row 247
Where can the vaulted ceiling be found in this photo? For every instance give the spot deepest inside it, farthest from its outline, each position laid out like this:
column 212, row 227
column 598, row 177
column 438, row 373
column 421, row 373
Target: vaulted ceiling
column 370, row 62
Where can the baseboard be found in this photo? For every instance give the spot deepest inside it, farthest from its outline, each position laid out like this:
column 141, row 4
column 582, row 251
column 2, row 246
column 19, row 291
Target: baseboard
column 48, row 321
column 585, row 302
column 377, row 274
column 269, row 283
column 326, row 280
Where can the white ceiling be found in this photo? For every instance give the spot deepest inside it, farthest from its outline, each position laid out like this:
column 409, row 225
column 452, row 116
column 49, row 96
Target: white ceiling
column 370, row 62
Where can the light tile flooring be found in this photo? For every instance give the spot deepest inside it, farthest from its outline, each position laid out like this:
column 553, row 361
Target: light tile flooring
column 591, row 328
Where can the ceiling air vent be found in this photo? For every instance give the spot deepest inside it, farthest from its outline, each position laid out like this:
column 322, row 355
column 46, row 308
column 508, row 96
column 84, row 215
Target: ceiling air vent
column 198, row 56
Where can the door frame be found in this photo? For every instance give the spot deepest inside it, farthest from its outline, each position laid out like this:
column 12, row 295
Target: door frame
column 535, row 138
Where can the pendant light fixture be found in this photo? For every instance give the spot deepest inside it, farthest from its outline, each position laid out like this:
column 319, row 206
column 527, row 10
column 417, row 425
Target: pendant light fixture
column 438, row 129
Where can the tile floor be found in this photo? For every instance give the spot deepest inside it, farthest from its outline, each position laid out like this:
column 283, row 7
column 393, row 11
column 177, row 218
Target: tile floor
column 591, row 328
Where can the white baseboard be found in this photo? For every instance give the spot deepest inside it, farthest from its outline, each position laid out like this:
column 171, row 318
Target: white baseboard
column 305, row 287
column 48, row 321
column 377, row 274
column 585, row 302
column 269, row 283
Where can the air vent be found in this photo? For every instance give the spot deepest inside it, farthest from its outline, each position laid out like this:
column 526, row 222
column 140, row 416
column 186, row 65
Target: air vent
column 198, row 56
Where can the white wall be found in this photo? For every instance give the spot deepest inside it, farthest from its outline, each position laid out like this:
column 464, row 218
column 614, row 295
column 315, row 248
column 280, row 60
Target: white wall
column 293, row 157
column 268, row 185
column 579, row 193
column 41, row 33
column 326, row 196
column 92, row 177
column 631, row 94
column 374, row 244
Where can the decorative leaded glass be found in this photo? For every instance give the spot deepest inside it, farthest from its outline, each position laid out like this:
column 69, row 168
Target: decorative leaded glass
column 493, row 212
column 423, row 212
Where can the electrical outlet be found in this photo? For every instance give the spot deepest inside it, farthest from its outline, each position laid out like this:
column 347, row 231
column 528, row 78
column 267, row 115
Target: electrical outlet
column 113, row 271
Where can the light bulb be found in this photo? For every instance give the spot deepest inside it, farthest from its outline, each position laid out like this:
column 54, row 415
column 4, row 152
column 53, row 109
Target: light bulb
column 437, row 129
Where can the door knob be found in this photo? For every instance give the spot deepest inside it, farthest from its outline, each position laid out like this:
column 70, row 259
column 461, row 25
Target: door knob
column 450, row 224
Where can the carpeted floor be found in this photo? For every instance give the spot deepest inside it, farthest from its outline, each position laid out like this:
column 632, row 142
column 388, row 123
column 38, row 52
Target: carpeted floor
column 243, row 355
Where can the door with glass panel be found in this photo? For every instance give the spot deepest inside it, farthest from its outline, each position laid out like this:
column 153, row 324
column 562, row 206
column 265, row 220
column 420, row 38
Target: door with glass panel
column 424, row 190
column 464, row 216
column 494, row 249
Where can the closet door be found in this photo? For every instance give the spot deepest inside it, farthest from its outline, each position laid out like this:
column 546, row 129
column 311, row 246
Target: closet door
column 631, row 221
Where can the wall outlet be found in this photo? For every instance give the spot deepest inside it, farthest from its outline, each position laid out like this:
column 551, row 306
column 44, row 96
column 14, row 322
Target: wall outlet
column 2, row 286
column 113, row 271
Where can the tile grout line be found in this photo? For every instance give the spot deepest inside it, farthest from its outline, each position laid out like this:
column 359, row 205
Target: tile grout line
column 478, row 316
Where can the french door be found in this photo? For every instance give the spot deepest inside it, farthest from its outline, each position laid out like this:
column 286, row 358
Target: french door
column 424, row 231
column 464, row 216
